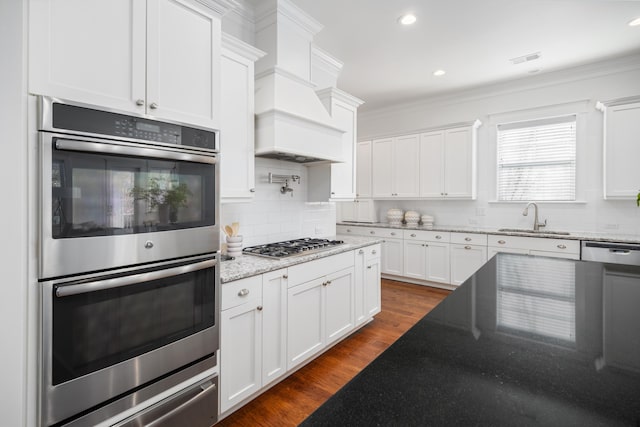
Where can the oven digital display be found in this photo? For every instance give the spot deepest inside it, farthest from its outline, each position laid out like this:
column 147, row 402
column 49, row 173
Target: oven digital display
column 147, row 127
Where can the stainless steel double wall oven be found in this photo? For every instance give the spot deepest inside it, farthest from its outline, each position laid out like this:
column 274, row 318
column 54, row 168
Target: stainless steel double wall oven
column 128, row 266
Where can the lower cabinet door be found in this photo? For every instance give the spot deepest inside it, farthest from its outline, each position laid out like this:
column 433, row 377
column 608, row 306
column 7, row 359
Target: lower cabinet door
column 466, row 260
column 305, row 321
column 359, row 285
column 372, row 295
column 392, row 257
column 339, row 316
column 438, row 262
column 274, row 325
column 415, row 255
column 241, row 344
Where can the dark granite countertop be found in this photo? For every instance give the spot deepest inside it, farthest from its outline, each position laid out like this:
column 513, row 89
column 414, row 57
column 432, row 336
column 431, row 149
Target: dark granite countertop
column 526, row 341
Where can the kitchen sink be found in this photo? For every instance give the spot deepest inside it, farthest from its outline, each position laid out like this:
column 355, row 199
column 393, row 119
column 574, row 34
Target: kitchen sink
column 528, row 230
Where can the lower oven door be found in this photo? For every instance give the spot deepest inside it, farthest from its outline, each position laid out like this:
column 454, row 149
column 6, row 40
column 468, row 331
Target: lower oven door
column 104, row 337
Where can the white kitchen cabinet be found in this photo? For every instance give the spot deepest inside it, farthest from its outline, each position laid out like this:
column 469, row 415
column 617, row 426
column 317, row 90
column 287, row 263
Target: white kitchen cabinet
column 240, row 341
column 392, row 261
column 466, row 260
column 363, row 169
column 358, row 210
column 448, row 163
column 426, row 255
column 558, row 248
column 320, row 311
column 337, row 181
column 621, row 148
column 160, row 58
column 395, row 167
column 367, row 283
column 274, row 325
column 237, row 181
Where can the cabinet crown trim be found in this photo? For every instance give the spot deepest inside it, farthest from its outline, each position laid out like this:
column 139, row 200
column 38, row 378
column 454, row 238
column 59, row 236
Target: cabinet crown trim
column 332, row 92
column 475, row 124
column 603, row 105
column 241, row 48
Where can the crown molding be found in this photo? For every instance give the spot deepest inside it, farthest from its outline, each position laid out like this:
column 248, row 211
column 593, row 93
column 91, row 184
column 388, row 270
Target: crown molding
column 340, row 95
column 242, row 48
column 268, row 12
column 325, row 61
column 284, row 73
column 550, row 79
column 603, row 105
column 221, row 7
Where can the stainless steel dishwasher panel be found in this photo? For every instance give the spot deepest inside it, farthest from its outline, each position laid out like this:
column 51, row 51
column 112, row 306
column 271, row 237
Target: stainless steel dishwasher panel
column 613, row 253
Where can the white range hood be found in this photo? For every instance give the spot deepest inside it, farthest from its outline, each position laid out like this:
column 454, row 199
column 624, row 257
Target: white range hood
column 291, row 121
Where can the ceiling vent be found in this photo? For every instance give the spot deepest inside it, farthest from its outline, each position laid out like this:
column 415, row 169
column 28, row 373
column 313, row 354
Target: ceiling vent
column 525, row 58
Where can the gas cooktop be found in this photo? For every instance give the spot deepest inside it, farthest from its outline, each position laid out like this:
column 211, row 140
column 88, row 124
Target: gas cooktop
column 292, row 247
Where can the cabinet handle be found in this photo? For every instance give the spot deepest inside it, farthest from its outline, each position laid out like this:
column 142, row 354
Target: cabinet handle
column 243, row 292
column 438, row 237
column 348, row 230
column 442, row 194
column 361, row 251
column 562, row 246
column 140, row 102
column 372, row 232
column 285, row 276
column 368, row 266
column 467, row 239
column 324, row 283
column 252, row 190
column 413, row 235
column 328, row 282
column 333, row 192
column 373, row 252
column 259, row 308
column 393, row 234
column 502, row 242
column 467, row 247
column 153, row 105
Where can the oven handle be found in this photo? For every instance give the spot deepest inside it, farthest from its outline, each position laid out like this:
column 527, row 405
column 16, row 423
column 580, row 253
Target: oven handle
column 114, row 148
column 99, row 285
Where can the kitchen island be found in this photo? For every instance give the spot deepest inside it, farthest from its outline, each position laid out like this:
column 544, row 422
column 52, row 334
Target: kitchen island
column 525, row 341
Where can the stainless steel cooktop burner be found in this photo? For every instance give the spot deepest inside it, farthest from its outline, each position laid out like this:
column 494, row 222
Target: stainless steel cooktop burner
column 292, row 247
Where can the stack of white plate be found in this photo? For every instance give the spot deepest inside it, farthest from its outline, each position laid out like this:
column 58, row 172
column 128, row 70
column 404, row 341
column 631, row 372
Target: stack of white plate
column 427, row 221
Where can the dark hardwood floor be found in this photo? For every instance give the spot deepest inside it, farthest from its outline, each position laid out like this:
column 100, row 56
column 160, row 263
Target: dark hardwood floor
column 292, row 400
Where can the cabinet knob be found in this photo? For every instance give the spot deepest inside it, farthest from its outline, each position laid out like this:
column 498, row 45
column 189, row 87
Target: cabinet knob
column 562, row 246
column 285, row 276
column 324, row 283
column 348, row 230
column 328, row 282
column 368, row 266
column 243, row 292
column 140, row 102
column 259, row 308
column 438, row 237
column 502, row 242
column 393, row 234
column 333, row 192
column 467, row 247
column 372, row 232
column 252, row 190
column 413, row 235
column 373, row 252
column 153, row 105
column 467, row 239
column 361, row 251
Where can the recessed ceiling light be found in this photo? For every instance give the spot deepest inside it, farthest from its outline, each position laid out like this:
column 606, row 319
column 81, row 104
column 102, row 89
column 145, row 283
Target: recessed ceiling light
column 634, row 23
column 407, row 19
column 439, row 73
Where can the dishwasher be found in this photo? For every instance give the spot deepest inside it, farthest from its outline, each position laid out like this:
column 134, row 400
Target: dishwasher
column 613, row 253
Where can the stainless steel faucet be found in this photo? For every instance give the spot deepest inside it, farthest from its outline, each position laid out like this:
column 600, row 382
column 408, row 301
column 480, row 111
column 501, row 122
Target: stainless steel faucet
column 536, row 224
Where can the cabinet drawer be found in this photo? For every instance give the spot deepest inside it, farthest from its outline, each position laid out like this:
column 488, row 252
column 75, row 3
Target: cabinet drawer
column 429, row 236
column 307, row 271
column 535, row 243
column 351, row 230
column 469, row 239
column 240, row 291
column 370, row 252
column 384, row 232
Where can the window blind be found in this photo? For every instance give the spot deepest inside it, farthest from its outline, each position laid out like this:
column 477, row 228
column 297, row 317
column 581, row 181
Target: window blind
column 537, row 160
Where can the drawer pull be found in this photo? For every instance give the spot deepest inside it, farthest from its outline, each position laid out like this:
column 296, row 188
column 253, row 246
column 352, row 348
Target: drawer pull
column 562, row 246
column 502, row 242
column 243, row 292
column 368, row 266
column 372, row 232
column 328, row 282
column 467, row 239
column 393, row 234
column 413, row 235
column 373, row 252
column 259, row 308
column 467, row 247
column 348, row 230
column 438, row 237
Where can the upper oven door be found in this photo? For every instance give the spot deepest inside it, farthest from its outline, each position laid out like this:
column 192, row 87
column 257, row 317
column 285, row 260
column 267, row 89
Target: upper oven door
column 108, row 204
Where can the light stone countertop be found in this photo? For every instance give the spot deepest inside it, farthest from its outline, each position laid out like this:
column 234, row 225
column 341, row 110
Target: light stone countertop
column 251, row 265
column 574, row 235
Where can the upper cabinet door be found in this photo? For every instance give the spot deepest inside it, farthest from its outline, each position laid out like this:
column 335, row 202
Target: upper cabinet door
column 621, row 151
column 90, row 51
column 363, row 169
column 382, row 161
column 343, row 180
column 459, row 163
column 431, row 164
column 406, row 164
column 183, row 62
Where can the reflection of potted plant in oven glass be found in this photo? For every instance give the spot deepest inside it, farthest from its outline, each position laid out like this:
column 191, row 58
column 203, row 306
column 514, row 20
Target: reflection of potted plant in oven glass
column 166, row 195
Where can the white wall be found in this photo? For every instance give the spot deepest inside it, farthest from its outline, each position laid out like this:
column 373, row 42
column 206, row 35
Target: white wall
column 14, row 214
column 273, row 216
column 570, row 90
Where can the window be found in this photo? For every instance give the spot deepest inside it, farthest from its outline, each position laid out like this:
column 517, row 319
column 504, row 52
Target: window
column 537, row 160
